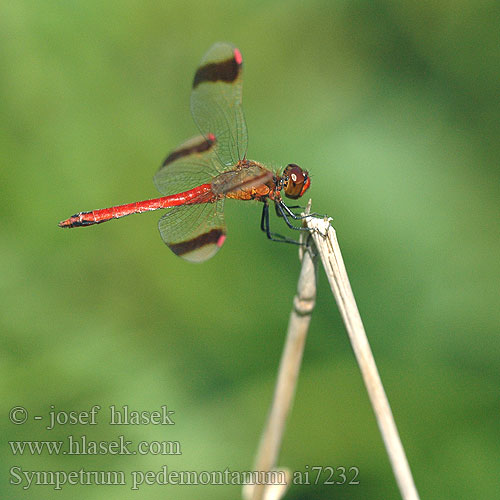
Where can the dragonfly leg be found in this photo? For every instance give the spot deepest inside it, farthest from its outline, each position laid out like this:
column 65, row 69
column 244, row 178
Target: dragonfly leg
column 282, row 207
column 283, row 211
column 265, row 227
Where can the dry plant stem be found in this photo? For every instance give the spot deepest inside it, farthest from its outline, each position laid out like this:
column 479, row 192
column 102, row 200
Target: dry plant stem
column 298, row 325
column 326, row 242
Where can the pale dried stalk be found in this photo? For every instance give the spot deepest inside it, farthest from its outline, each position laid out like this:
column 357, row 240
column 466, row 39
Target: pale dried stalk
column 270, row 443
column 326, row 242
column 328, row 248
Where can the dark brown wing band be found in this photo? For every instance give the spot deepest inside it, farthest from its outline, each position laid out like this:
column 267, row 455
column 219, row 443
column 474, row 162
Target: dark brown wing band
column 226, row 71
column 199, row 146
column 213, row 237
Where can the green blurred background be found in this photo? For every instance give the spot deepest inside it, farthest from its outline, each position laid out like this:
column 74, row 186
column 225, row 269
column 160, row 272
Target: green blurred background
column 393, row 107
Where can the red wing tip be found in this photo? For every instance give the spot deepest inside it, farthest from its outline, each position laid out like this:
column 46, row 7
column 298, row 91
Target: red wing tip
column 221, row 240
column 237, row 56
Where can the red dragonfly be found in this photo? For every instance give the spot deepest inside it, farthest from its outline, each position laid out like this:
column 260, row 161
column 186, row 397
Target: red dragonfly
column 201, row 173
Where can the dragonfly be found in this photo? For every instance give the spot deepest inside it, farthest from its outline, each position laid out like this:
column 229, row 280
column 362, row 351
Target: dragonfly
column 199, row 175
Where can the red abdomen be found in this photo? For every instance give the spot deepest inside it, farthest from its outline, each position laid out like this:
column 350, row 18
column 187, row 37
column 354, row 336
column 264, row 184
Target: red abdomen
column 200, row 194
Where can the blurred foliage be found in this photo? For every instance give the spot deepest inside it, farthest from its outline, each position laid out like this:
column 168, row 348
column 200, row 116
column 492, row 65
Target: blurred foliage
column 393, row 107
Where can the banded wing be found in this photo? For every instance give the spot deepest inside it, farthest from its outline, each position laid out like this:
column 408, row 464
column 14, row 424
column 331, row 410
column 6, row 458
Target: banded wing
column 216, row 102
column 194, row 232
column 191, row 164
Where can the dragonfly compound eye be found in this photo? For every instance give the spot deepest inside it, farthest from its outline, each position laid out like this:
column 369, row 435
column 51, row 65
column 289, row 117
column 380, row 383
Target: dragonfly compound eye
column 296, row 181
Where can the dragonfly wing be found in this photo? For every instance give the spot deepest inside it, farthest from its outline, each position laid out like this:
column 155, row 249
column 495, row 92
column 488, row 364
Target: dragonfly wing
column 216, row 102
column 191, row 164
column 194, row 232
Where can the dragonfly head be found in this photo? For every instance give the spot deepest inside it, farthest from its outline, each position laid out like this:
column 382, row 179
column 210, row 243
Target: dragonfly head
column 295, row 181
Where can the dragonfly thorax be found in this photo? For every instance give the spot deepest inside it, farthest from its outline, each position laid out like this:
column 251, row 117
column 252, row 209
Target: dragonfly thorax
column 248, row 180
